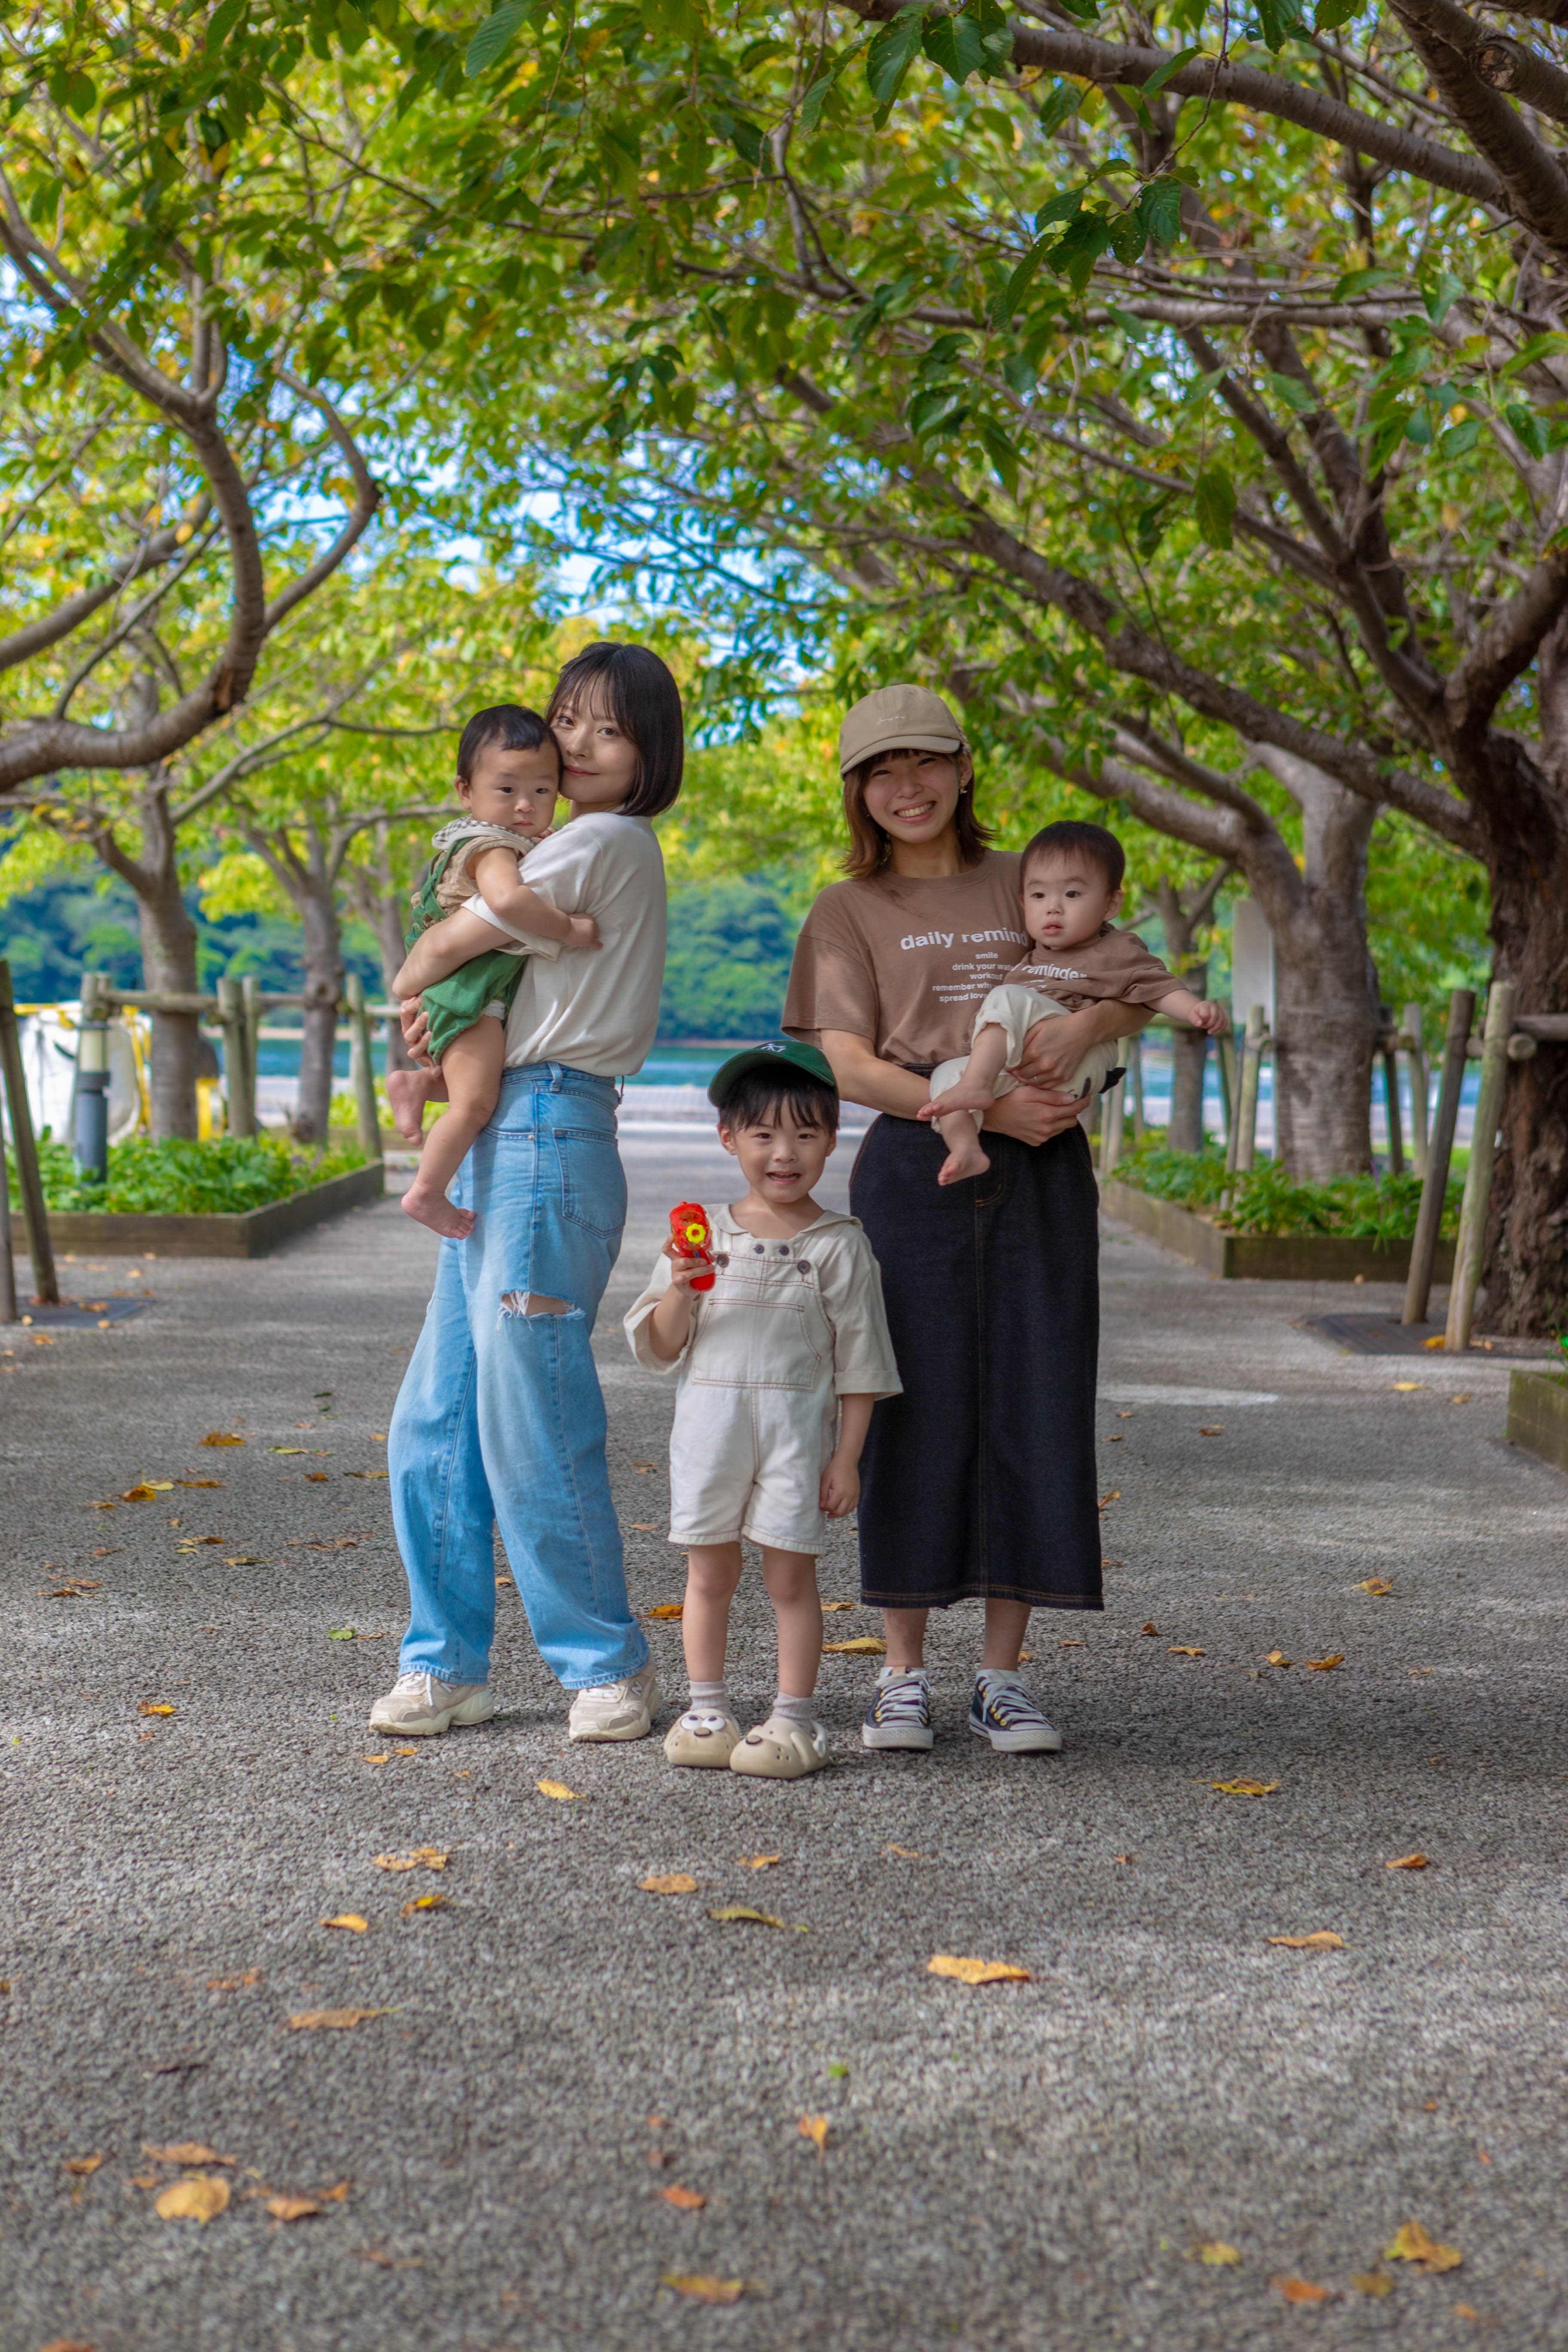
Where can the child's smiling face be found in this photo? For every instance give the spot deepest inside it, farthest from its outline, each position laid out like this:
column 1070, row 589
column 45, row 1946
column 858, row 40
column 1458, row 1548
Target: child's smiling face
column 515, row 789
column 1066, row 902
column 782, row 1156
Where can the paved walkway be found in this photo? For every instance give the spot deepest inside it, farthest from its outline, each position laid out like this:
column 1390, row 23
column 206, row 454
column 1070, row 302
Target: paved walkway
column 551, row 2051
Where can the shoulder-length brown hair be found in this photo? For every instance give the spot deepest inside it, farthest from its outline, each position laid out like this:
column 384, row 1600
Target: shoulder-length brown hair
column 644, row 700
column 870, row 849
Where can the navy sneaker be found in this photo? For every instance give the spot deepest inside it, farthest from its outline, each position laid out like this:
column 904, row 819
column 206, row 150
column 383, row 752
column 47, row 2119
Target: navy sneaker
column 1003, row 1711
column 899, row 1715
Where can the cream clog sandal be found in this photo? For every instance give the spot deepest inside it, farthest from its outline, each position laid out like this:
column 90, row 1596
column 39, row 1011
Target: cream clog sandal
column 703, row 1737
column 781, row 1749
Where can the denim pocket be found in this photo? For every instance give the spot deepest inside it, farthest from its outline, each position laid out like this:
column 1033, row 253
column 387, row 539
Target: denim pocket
column 592, row 1181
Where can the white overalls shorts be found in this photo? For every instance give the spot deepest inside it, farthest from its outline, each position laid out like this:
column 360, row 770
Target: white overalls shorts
column 756, row 1416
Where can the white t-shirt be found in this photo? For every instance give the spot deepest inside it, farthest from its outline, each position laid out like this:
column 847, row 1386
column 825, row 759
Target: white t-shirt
column 596, row 1008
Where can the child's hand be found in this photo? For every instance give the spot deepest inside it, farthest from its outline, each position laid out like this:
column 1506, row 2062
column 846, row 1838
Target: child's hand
column 583, row 931
column 840, row 1489
column 684, row 1271
column 1210, row 1017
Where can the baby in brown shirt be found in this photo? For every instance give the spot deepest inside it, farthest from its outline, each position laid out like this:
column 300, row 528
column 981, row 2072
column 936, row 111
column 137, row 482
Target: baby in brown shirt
column 1071, row 881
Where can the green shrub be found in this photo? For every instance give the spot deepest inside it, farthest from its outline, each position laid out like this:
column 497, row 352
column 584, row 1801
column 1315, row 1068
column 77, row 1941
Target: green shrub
column 184, row 1179
column 1267, row 1200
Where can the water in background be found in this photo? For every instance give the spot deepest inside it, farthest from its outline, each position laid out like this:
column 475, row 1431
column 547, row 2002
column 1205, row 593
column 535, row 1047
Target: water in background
column 681, row 1064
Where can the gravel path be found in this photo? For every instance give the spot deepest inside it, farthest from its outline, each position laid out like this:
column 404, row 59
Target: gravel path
column 551, row 2051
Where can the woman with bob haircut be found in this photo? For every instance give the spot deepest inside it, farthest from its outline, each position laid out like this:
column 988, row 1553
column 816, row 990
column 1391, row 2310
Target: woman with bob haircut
column 500, row 1419
column 977, row 1483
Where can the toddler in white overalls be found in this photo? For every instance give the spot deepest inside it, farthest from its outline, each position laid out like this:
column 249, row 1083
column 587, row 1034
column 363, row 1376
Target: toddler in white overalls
column 777, row 1367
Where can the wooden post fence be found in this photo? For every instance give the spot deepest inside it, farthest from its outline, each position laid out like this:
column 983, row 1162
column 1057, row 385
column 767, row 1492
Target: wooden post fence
column 250, row 997
column 1134, row 1082
column 8, row 1307
column 1434, row 1177
column 1478, row 1175
column 1112, row 1113
column 1239, row 1156
column 1411, row 1030
column 1390, row 1096
column 239, row 1087
column 29, row 1182
column 362, row 1067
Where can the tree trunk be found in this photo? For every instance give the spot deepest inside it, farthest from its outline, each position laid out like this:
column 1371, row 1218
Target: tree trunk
column 1525, row 1273
column 317, row 903
column 1189, row 1058
column 1326, row 1011
column 388, row 919
column 168, row 962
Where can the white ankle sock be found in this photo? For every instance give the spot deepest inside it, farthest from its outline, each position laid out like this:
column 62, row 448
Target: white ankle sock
column 793, row 1710
column 710, row 1696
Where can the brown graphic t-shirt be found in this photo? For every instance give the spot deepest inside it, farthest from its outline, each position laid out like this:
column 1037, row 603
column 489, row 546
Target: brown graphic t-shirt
column 1114, row 966
column 906, row 964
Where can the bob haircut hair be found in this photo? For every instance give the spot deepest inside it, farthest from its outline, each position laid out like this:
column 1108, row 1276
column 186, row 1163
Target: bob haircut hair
column 1076, row 838
column 870, row 849
column 504, row 727
column 760, row 1095
column 642, row 698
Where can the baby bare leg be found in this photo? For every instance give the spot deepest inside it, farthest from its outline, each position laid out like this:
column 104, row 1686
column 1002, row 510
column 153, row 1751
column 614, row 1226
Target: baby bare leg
column 408, row 1091
column 790, row 1581
column 976, row 1087
column 471, row 1067
column 712, row 1573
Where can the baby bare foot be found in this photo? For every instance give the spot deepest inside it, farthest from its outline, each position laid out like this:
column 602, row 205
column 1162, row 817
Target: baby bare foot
column 407, row 1091
column 965, row 1159
column 428, row 1207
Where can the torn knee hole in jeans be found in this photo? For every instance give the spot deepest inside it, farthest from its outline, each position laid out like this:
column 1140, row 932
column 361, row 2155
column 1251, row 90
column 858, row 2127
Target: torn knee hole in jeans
column 529, row 1303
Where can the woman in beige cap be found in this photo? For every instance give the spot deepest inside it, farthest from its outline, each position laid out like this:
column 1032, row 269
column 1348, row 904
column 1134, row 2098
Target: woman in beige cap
column 977, row 1483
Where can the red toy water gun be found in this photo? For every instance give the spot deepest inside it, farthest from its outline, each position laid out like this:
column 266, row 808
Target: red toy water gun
column 689, row 1232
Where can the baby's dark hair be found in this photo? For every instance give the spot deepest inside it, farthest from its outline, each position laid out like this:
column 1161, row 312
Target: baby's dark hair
column 505, row 727
column 1076, row 838
column 759, row 1096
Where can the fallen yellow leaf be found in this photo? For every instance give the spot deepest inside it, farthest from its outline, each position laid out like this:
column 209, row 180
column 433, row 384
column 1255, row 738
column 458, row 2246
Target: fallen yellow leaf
column 1151, row 1628
column 1410, row 1862
column 332, row 2020
column 558, row 1790
column 977, row 1972
column 1405, row 1386
column 1217, row 1431
column 667, row 1608
column 287, row 1449
column 350, row 1920
column 292, row 2209
column 1183, row 1650
column 145, row 1488
column 758, row 1861
column 1378, row 1585
column 1295, row 2290
column 222, row 1437
column 674, row 1882
column 423, row 1857
column 1323, row 1939
column 1218, row 2255
column 83, row 2165
column 1244, row 1788
column 906, row 1853
column 198, row 1482
column 690, row 2200
column 337, row 2196
column 425, row 1903
column 1326, row 1666
column 1440, row 1341
column 187, row 2151
column 742, row 1911
column 414, row 1752
column 1114, row 1497
column 1376, row 2282
column 644, row 1527
column 829, row 1606
column 1277, row 1658
column 234, row 1984
column 1412, row 2245
column 815, row 2130
column 195, row 2200
column 865, row 1645
column 376, row 1759
column 706, row 2290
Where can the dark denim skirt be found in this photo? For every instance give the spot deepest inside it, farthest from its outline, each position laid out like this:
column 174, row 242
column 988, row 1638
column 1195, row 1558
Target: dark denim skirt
column 978, row 1482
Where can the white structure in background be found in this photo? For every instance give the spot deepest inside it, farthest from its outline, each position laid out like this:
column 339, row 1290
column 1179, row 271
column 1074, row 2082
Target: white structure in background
column 48, row 1040
column 1251, row 963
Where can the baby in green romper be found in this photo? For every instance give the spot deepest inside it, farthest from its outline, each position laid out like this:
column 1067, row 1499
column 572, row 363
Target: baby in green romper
column 509, row 777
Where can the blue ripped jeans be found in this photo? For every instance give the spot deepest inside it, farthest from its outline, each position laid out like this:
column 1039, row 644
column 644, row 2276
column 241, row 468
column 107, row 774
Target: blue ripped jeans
column 500, row 1419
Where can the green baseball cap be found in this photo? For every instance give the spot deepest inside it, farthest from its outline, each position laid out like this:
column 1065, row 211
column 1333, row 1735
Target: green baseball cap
column 779, row 1054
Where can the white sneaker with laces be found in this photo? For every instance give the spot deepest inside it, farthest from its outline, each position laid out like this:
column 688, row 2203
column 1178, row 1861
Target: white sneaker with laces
column 622, row 1710
column 418, row 1706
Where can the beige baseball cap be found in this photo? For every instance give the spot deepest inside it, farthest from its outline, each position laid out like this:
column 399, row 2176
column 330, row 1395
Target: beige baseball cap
column 897, row 719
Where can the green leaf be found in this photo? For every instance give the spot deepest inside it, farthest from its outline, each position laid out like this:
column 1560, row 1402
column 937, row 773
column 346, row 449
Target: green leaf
column 1019, row 374
column 1162, row 74
column 1279, row 19
column 942, row 409
column 495, row 36
column 1064, row 207
column 1160, row 210
column 1127, row 237
column 1024, row 277
column 891, row 54
column 222, row 23
column 1441, row 297
column 954, row 44
column 1298, row 397
column 1079, row 248
column 742, row 136
column 1149, row 524
column 1060, row 103
column 816, row 98
column 1332, row 14
column 1003, row 456
column 1215, row 506
column 1356, row 282
column 1533, row 349
column 1527, row 426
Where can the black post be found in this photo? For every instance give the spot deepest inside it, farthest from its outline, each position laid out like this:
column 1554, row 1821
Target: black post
column 29, row 1182
column 1428, row 1222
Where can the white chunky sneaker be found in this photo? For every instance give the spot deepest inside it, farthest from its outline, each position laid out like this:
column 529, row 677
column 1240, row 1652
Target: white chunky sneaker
column 418, row 1706
column 616, row 1710
column 899, row 1715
